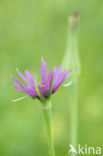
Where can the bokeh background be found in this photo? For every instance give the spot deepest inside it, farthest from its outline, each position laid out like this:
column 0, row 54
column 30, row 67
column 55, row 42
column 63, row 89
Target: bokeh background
column 29, row 30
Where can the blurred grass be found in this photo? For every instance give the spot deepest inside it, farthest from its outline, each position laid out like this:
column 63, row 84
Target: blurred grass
column 29, row 30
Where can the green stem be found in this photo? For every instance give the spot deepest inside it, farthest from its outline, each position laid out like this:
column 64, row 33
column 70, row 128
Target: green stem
column 74, row 114
column 75, row 67
column 48, row 121
column 72, row 61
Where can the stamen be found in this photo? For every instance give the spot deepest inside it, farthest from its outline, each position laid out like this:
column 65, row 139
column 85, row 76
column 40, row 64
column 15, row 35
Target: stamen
column 42, row 86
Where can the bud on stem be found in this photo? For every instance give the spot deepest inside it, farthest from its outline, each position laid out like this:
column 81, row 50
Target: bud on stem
column 71, row 57
column 71, row 61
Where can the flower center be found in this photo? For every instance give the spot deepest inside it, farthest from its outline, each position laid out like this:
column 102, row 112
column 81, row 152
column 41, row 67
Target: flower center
column 42, row 86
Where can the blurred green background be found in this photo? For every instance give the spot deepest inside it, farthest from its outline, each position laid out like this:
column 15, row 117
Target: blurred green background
column 35, row 28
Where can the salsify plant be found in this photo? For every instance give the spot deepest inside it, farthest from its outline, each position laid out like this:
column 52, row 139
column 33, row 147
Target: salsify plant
column 71, row 59
column 49, row 85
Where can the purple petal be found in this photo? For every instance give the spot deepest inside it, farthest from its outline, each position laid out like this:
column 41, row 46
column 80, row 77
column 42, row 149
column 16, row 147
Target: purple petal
column 19, row 89
column 50, row 75
column 28, row 91
column 31, row 78
column 57, row 73
column 23, row 77
column 19, row 83
column 33, row 92
column 60, row 80
column 43, row 72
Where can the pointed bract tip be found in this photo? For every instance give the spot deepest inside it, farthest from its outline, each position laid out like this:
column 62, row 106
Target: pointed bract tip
column 42, row 58
column 74, row 20
column 17, row 69
column 75, row 14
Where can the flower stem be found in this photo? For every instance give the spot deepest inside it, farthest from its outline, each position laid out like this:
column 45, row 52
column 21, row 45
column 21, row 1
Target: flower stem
column 72, row 61
column 75, row 67
column 47, row 116
column 74, row 114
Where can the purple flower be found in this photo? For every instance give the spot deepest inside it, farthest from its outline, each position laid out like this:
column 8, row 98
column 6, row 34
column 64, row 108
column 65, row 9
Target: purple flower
column 49, row 84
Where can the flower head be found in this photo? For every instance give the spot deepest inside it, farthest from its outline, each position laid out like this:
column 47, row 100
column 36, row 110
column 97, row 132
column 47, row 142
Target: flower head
column 49, row 84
